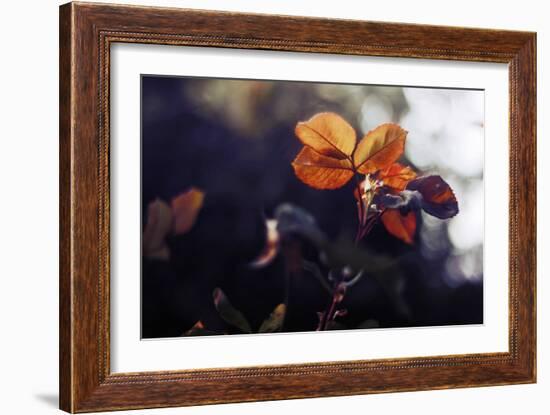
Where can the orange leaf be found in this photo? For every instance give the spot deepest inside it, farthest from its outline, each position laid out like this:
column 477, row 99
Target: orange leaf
column 402, row 227
column 397, row 176
column 321, row 172
column 185, row 209
column 379, row 148
column 328, row 134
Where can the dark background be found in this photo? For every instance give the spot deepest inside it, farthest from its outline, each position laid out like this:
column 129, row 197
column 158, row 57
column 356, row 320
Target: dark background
column 235, row 141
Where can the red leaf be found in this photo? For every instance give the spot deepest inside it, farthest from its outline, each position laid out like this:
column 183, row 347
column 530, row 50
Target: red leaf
column 330, row 157
column 379, row 148
column 438, row 197
column 400, row 226
column 321, row 172
column 325, row 160
column 397, row 176
column 328, row 134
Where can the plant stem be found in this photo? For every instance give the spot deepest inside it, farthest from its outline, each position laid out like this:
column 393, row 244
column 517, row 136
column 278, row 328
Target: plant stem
column 337, row 298
column 360, row 207
column 370, row 224
column 327, row 317
column 339, row 288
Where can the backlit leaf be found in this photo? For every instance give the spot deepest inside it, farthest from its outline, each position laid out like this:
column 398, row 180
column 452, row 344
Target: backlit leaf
column 400, row 226
column 271, row 248
column 275, row 320
column 196, row 330
column 328, row 134
column 397, row 176
column 159, row 224
column 438, row 197
column 321, row 172
column 185, row 209
column 379, row 148
column 229, row 313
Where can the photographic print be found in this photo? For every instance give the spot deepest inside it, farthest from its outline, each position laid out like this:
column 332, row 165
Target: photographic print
column 286, row 206
column 252, row 207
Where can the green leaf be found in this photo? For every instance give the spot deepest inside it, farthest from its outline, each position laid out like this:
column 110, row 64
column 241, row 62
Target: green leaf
column 275, row 320
column 229, row 313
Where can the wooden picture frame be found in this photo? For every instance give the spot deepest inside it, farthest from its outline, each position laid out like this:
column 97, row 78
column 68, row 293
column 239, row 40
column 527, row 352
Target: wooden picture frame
column 86, row 33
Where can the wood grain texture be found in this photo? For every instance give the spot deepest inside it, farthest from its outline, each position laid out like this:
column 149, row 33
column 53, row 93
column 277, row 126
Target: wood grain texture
column 86, row 33
column 65, row 249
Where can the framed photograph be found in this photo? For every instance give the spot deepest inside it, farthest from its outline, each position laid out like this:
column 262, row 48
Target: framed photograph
column 260, row 207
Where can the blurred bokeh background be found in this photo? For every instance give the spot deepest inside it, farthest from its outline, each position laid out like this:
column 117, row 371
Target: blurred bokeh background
column 235, row 140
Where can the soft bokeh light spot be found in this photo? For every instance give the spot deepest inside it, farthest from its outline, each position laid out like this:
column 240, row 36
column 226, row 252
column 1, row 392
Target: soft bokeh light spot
column 467, row 267
column 376, row 110
column 446, row 130
column 466, row 229
column 433, row 236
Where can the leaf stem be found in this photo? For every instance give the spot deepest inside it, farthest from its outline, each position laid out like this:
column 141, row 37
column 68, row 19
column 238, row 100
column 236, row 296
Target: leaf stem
column 337, row 297
column 361, row 212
